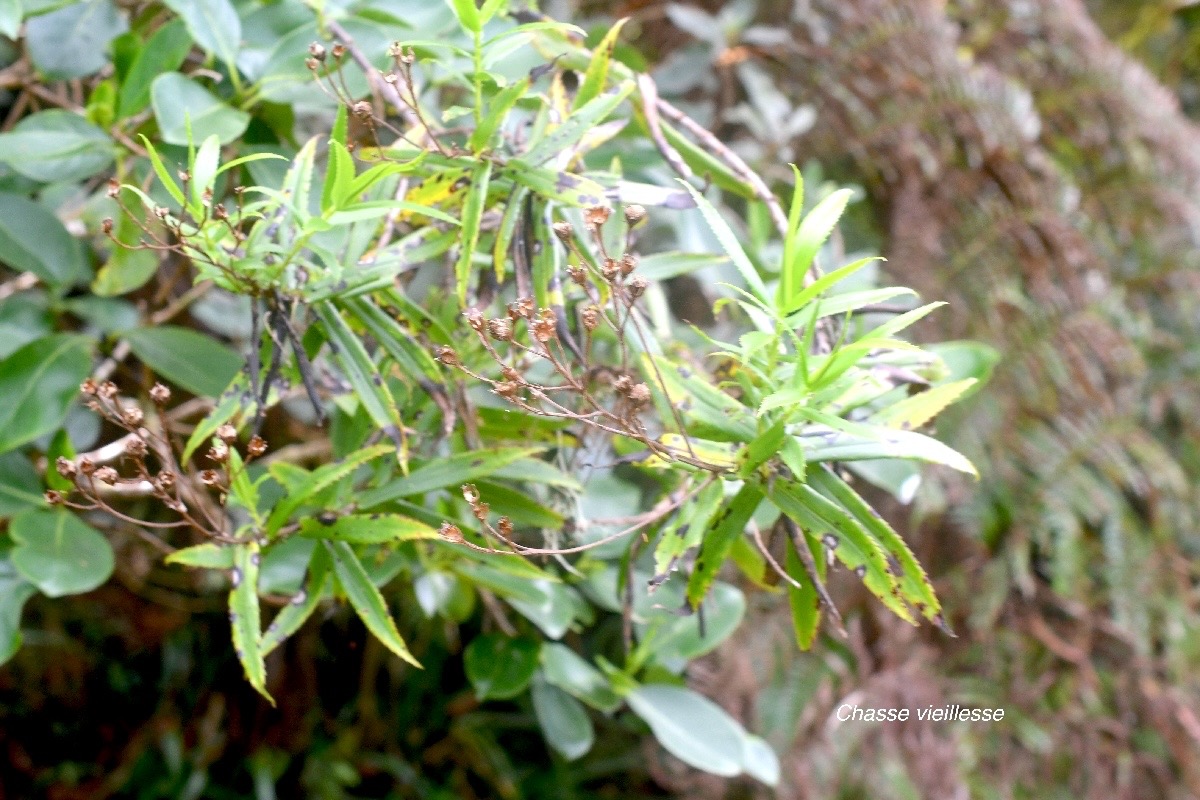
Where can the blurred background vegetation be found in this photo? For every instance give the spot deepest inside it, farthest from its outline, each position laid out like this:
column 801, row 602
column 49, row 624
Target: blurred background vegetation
column 1036, row 162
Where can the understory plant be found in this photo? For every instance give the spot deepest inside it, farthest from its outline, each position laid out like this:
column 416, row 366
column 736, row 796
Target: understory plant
column 458, row 387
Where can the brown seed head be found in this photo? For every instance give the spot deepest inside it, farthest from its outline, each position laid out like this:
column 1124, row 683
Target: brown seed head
column 219, row 452
column 610, row 270
column 470, row 493
column 339, row 50
column 475, row 319
column 88, row 387
column 362, row 109
column 507, row 388
column 596, row 216
column 107, row 226
column 590, row 317
column 87, row 466
column 106, row 475
column 447, row 356
column 256, row 446
column 634, row 214
column 638, row 286
column 66, row 467
column 227, row 433
column 450, row 533
column 501, row 329
column 623, row 384
column 160, row 394
column 165, row 480
column 317, row 51
column 114, row 187
column 640, row 394
column 210, row 477
column 132, row 416
column 578, row 274
column 108, row 390
column 54, row 498
column 312, row 64
column 136, row 446
column 628, row 263
column 564, row 231
column 481, row 511
column 504, row 526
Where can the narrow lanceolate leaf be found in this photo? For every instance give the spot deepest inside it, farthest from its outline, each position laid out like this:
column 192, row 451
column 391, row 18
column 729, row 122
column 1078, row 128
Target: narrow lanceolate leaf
column 207, row 555
column 501, row 104
column 804, row 602
column 890, row 443
column 413, row 358
column 563, row 187
column 729, row 243
column 729, row 524
column 814, row 229
column 471, row 216
column 368, row 529
column 453, row 471
column 820, row 285
column 160, row 169
column 576, row 126
column 339, row 176
column 362, row 374
column 317, row 481
column 508, row 226
column 790, row 284
column 913, row 412
column 914, row 583
column 317, row 586
column 852, row 545
column 467, row 13
column 366, row 600
column 244, row 616
column 597, row 72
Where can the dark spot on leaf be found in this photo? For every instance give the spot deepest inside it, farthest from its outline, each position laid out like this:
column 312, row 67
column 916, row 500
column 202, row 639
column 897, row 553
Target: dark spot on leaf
column 682, row 532
column 327, row 518
column 235, row 577
column 298, row 600
column 860, row 570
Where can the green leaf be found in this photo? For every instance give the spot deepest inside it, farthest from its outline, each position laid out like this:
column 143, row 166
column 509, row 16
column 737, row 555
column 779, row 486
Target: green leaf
column 160, row 169
column 576, row 126
column 179, row 101
column 790, row 283
column 804, row 602
column 729, row 524
column 163, row 52
column 467, row 13
column 564, row 722
column 564, row 668
column 691, row 727
column 185, row 357
column 729, row 243
column 661, row 266
column 14, row 591
column 681, row 639
column 73, row 42
column 452, row 471
column 563, row 187
column 498, row 110
column 368, row 529
column 471, row 217
column 38, row 383
column 499, row 666
column 20, row 488
column 317, row 586
column 206, row 556
column 917, row 410
column 339, row 176
column 300, row 493
column 245, row 616
column 818, row 287
column 886, row 443
column 366, row 600
column 56, row 145
column 214, row 24
column 807, row 241
column 360, row 371
column 33, row 239
column 10, row 26
column 759, row 760
column 59, row 553
column 913, row 581
column 596, row 76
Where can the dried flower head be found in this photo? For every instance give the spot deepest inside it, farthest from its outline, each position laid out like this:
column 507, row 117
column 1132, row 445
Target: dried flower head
column 451, row 533
column 521, row 308
column 628, row 263
column 107, row 226
column 108, row 390
column 88, row 387
column 132, row 416
column 507, row 389
column 165, row 480
column 87, row 466
column 106, row 475
column 447, row 356
column 470, row 493
column 66, row 467
column 610, row 270
column 54, row 498
column 596, row 216
column 339, row 50
column 578, row 274
column 504, row 526
column 219, row 452
column 590, row 317
column 227, row 433
column 136, row 446
column 362, row 109
column 564, row 231
column 638, row 286
column 481, row 511
column 256, row 446
column 114, row 187
column 639, row 394
column 317, row 51
column 210, row 477
column 160, row 394
column 501, row 329
column 623, row 384
column 634, row 214
column 475, row 319
column 544, row 328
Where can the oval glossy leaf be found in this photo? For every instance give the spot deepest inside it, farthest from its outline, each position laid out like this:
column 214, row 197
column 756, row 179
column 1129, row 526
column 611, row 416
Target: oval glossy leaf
column 33, row 239
column 14, row 591
column 179, row 101
column 38, row 383
column 214, row 24
column 500, row 666
column 59, row 553
column 73, row 42
column 163, row 52
column 20, row 488
column 691, row 727
column 56, row 145
column 564, row 721
column 759, row 760
column 567, row 670
column 185, row 357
